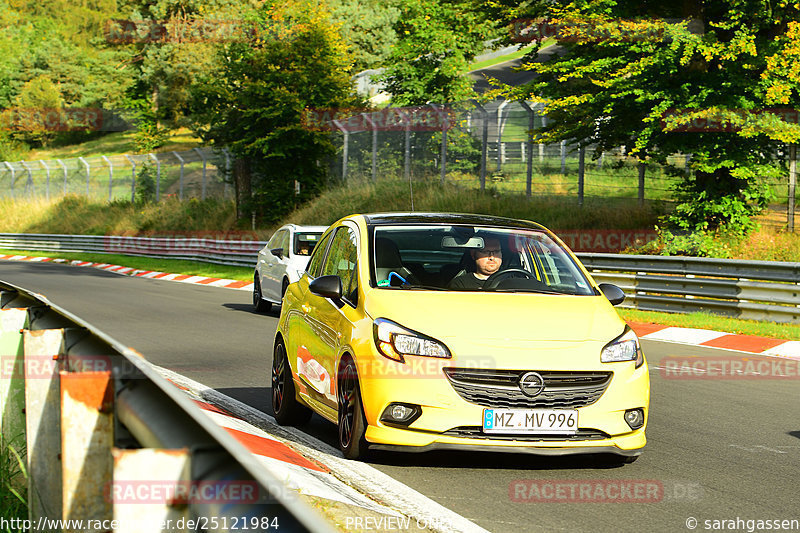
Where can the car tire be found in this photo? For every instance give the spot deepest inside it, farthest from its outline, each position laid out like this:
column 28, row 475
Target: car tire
column 284, row 286
column 259, row 304
column 352, row 422
column 285, row 407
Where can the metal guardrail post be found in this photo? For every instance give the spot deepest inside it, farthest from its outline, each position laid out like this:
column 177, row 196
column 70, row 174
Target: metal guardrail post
column 83, row 393
column 500, row 159
column 29, row 188
column 529, row 147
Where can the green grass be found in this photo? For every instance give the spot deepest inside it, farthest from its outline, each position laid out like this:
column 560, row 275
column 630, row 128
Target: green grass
column 714, row 322
column 508, row 57
column 173, row 266
column 13, row 479
column 112, row 144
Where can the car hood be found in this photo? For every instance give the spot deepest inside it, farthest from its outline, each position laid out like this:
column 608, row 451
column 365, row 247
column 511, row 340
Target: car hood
column 498, row 319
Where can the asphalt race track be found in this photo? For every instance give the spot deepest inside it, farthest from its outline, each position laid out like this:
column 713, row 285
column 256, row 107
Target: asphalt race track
column 717, row 449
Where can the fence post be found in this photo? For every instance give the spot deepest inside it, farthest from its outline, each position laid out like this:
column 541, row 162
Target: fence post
column 374, row 128
column 13, row 175
column 484, row 141
column 47, row 183
column 203, row 157
column 541, row 145
column 110, row 177
column 345, row 148
column 227, row 170
column 641, row 182
column 64, row 167
column 529, row 148
column 581, row 172
column 563, row 157
column 133, row 177
column 443, row 150
column 85, row 164
column 792, row 185
column 29, row 183
column 158, row 176
column 180, row 179
column 407, row 149
column 500, row 108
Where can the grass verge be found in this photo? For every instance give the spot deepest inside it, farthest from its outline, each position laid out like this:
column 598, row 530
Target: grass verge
column 173, row 266
column 714, row 322
column 13, row 479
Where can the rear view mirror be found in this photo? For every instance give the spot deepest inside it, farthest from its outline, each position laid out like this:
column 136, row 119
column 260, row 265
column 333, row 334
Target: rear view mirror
column 475, row 243
column 613, row 293
column 277, row 252
column 327, row 287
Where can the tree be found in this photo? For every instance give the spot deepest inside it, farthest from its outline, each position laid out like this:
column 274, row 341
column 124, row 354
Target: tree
column 437, row 41
column 367, row 27
column 641, row 74
column 255, row 103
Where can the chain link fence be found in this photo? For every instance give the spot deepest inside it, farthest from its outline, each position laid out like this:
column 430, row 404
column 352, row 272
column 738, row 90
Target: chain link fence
column 488, row 146
column 197, row 173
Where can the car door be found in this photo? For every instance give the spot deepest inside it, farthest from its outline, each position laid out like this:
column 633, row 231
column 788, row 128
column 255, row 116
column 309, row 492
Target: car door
column 329, row 322
column 274, row 267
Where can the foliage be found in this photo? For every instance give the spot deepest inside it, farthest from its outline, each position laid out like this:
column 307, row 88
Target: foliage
column 366, row 27
column 437, row 40
column 628, row 77
column 255, row 102
column 38, row 100
column 145, row 187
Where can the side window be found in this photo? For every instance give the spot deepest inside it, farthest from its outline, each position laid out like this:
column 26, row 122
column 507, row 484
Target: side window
column 341, row 261
column 285, row 243
column 315, row 263
column 275, row 241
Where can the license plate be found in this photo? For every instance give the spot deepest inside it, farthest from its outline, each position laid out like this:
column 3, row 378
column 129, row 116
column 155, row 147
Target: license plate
column 563, row 421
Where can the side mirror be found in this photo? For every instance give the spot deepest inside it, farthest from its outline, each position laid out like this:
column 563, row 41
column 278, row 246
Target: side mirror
column 613, row 293
column 277, row 252
column 327, row 287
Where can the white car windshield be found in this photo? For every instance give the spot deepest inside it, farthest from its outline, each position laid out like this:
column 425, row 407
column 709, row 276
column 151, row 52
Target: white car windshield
column 461, row 258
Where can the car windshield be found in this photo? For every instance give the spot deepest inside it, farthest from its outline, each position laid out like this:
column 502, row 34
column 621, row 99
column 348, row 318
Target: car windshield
column 462, row 258
column 305, row 241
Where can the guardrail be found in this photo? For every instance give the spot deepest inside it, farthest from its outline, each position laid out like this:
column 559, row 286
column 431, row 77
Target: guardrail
column 112, row 444
column 240, row 252
column 756, row 290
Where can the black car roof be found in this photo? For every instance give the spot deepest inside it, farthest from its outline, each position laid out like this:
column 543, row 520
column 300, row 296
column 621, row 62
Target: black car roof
column 448, row 218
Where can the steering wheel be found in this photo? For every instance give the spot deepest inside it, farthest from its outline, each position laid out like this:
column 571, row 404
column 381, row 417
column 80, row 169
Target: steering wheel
column 494, row 280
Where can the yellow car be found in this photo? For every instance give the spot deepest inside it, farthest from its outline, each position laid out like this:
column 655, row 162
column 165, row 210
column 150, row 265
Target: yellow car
column 430, row 331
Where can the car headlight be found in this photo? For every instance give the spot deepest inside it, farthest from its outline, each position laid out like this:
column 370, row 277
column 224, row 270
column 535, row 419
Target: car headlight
column 623, row 348
column 394, row 341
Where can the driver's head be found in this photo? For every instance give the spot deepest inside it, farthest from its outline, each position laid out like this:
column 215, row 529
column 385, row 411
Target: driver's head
column 489, row 258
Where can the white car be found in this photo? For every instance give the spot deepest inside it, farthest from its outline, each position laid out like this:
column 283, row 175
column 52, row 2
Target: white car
column 281, row 262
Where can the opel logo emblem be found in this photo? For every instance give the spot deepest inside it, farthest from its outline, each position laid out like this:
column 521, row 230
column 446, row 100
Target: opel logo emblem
column 531, row 384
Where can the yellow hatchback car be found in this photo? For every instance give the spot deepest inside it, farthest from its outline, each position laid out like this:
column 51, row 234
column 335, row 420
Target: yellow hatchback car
column 429, row 331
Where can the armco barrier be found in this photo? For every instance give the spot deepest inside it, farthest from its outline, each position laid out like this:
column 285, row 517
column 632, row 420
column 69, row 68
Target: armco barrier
column 757, row 290
column 112, row 444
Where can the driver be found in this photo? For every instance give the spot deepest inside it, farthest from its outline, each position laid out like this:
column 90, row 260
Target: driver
column 487, row 261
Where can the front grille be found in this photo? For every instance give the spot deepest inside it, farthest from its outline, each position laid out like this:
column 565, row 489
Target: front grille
column 476, row 432
column 500, row 388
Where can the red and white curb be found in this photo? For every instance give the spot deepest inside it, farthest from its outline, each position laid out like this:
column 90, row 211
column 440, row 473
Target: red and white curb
column 311, row 467
column 150, row 274
column 715, row 339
